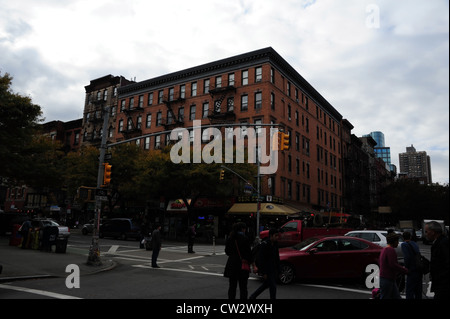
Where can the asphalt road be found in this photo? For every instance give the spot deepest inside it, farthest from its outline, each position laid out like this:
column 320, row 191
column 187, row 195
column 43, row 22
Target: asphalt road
column 182, row 276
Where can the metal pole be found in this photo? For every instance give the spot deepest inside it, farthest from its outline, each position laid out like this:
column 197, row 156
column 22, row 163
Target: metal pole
column 258, row 201
column 94, row 250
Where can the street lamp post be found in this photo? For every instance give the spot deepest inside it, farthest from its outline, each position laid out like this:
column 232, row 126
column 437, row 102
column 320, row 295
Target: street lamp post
column 94, row 250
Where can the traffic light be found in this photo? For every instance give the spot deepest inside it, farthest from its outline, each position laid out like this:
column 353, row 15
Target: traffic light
column 107, row 174
column 222, row 174
column 285, row 141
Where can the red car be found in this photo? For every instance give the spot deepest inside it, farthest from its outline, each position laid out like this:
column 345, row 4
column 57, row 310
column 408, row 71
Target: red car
column 328, row 257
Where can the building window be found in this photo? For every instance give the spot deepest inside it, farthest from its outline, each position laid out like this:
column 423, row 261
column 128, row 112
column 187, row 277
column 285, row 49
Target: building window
column 192, row 113
column 113, row 110
column 258, row 74
column 230, row 104
column 243, row 129
column 157, row 142
column 244, row 102
column 148, row 122
column 158, row 118
column 171, row 92
column 272, row 75
column 181, row 114
column 272, row 101
column 206, row 86
column 150, row 98
column 141, row 101
column 122, row 105
column 258, row 100
column 169, row 117
column 258, row 128
column 131, row 103
column 160, row 96
column 194, row 89
column 182, row 91
column 139, row 122
column 105, row 95
column 231, row 79
column 206, row 110
column 218, row 82
column 120, row 127
column 244, row 78
column 289, row 189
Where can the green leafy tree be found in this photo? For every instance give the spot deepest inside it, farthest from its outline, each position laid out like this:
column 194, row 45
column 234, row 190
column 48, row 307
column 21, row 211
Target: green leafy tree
column 19, row 120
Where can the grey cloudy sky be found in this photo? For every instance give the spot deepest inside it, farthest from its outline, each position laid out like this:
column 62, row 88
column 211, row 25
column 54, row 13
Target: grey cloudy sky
column 383, row 64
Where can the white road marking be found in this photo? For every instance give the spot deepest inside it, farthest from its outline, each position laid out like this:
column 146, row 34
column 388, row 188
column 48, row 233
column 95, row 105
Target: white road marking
column 113, row 249
column 369, row 292
column 39, row 292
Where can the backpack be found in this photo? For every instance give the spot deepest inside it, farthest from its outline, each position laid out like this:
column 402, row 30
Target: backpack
column 422, row 264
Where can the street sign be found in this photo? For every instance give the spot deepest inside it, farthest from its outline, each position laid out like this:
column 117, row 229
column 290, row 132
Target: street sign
column 101, row 194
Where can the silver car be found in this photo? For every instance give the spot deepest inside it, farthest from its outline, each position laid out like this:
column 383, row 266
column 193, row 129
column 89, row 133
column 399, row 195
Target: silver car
column 63, row 231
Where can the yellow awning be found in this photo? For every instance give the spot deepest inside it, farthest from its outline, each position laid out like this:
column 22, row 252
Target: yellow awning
column 266, row 209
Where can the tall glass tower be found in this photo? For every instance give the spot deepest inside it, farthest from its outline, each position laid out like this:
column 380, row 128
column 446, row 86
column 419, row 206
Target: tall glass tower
column 381, row 150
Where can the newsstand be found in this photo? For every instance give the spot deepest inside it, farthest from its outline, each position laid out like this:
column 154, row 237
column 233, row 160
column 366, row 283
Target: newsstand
column 61, row 245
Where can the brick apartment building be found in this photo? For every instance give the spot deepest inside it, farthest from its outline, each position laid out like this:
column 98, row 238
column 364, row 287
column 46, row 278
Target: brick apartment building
column 257, row 87
column 101, row 92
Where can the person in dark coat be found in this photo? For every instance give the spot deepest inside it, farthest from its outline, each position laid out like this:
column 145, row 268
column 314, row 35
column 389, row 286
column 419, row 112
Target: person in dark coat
column 414, row 278
column 191, row 238
column 268, row 264
column 237, row 248
column 439, row 263
column 156, row 245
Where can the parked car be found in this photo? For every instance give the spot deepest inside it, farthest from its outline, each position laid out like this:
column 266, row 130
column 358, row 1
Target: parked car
column 122, row 228
column 378, row 237
column 63, row 231
column 327, row 257
column 88, row 228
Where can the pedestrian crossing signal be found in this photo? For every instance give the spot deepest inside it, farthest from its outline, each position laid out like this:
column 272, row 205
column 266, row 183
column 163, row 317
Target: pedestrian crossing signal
column 222, row 174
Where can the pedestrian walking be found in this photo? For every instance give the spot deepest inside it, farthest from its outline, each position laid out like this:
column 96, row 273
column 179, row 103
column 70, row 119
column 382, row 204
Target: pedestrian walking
column 390, row 268
column 414, row 277
column 268, row 261
column 191, row 238
column 156, row 245
column 237, row 269
column 439, row 263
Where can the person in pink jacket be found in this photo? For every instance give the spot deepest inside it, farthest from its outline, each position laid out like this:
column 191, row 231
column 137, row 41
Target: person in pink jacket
column 390, row 268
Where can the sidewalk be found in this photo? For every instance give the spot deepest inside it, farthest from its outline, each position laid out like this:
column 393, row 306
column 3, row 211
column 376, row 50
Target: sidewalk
column 20, row 264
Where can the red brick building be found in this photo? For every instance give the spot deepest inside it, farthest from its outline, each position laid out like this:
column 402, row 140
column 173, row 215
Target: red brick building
column 257, row 87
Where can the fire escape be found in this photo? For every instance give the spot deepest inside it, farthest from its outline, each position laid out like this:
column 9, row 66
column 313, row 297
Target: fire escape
column 96, row 119
column 172, row 121
column 133, row 128
column 222, row 113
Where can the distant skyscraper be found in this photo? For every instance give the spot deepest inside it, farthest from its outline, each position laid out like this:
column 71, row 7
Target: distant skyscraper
column 415, row 165
column 381, row 150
